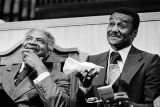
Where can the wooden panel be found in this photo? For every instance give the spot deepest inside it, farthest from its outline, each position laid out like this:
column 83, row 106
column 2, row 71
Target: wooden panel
column 17, row 10
column 92, row 8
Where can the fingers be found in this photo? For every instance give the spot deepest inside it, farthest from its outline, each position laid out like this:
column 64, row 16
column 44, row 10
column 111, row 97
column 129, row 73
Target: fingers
column 79, row 72
column 121, row 96
column 89, row 74
column 91, row 99
column 157, row 102
column 29, row 57
column 27, row 51
column 84, row 72
column 94, row 74
column 86, row 76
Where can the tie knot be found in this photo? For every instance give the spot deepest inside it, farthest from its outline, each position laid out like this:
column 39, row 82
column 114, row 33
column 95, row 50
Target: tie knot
column 114, row 57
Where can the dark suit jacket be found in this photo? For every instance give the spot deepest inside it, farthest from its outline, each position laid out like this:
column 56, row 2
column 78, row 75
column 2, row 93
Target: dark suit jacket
column 140, row 78
column 53, row 91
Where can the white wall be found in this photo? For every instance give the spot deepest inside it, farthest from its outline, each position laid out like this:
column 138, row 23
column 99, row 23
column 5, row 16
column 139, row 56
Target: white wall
column 88, row 34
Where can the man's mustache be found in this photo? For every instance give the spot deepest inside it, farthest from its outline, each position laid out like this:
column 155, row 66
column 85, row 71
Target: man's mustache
column 113, row 34
column 33, row 47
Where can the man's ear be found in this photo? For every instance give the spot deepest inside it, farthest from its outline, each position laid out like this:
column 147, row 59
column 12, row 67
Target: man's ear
column 49, row 52
column 134, row 34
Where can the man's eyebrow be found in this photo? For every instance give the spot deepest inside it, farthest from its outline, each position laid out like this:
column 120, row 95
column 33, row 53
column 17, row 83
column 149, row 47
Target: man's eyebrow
column 126, row 21
column 41, row 39
column 29, row 36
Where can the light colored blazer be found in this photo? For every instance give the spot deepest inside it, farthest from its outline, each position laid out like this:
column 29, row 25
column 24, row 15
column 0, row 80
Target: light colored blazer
column 53, row 91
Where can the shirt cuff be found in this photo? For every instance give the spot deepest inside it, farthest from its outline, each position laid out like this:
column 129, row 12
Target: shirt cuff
column 41, row 77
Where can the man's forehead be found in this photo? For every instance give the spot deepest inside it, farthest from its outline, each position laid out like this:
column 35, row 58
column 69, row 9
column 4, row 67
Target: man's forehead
column 37, row 34
column 121, row 16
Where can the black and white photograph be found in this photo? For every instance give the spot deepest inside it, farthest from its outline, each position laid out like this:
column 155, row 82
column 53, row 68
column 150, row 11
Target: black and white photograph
column 79, row 53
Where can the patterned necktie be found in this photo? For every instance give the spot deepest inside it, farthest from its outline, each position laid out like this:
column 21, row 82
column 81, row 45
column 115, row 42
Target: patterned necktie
column 113, row 69
column 21, row 76
column 115, row 56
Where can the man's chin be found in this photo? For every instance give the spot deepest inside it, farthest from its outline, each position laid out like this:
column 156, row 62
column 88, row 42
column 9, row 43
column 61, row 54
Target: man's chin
column 117, row 45
column 114, row 42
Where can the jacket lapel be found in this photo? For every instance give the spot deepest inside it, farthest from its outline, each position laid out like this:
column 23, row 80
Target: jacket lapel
column 133, row 63
column 8, row 78
column 26, row 84
column 8, row 82
column 100, row 79
column 23, row 87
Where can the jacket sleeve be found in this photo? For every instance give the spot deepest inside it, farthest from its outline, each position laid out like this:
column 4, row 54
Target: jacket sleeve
column 54, row 90
column 151, row 83
column 81, row 96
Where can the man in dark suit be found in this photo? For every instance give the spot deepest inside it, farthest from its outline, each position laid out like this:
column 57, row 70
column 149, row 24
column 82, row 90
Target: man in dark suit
column 139, row 81
column 42, row 86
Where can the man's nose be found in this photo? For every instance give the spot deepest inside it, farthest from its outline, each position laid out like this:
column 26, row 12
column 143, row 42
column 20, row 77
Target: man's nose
column 115, row 28
column 32, row 42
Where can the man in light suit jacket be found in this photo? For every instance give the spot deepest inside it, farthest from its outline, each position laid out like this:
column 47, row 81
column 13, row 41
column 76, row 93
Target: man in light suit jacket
column 139, row 81
column 43, row 86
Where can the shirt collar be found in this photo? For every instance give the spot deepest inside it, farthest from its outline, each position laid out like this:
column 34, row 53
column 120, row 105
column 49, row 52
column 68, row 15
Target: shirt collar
column 123, row 52
column 22, row 67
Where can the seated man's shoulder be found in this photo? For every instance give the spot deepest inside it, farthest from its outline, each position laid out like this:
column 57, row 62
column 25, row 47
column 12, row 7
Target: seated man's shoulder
column 97, row 57
column 150, row 56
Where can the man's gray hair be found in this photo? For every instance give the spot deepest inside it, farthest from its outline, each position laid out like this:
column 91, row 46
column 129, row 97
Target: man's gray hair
column 51, row 39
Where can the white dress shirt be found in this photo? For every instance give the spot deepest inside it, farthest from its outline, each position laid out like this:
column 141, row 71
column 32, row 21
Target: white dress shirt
column 123, row 53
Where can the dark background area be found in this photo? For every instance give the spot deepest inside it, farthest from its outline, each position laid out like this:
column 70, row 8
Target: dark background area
column 21, row 10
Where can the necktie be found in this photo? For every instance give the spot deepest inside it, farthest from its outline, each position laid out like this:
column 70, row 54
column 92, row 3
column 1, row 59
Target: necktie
column 21, row 76
column 113, row 69
column 115, row 56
